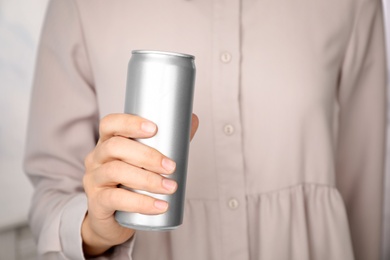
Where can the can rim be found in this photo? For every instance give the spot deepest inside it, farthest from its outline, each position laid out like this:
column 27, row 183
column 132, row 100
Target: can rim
column 163, row 53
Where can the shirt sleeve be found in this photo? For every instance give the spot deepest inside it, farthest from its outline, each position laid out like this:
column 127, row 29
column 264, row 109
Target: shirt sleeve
column 362, row 128
column 62, row 130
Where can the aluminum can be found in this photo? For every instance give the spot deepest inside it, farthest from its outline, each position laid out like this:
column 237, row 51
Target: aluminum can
column 160, row 88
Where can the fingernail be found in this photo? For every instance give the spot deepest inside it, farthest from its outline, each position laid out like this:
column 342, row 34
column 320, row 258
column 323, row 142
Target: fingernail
column 161, row 205
column 168, row 164
column 169, row 184
column 148, row 127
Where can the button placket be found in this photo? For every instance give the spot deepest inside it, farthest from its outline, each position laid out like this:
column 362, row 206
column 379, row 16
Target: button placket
column 227, row 129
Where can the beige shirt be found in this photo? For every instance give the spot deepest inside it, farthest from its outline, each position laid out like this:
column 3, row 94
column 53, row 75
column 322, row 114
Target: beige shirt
column 288, row 159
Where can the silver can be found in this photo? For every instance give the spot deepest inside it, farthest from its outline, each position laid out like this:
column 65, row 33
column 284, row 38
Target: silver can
column 160, row 88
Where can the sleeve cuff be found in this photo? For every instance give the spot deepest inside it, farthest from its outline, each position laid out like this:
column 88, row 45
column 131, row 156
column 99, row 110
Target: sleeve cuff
column 70, row 228
column 70, row 232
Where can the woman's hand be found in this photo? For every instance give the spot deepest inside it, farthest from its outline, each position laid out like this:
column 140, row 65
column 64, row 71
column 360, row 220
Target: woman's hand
column 117, row 159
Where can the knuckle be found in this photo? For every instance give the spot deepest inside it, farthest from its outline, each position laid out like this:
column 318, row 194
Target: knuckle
column 131, row 120
column 152, row 155
column 152, row 181
column 111, row 145
column 111, row 169
column 105, row 198
column 89, row 185
column 149, row 179
column 86, row 183
column 111, row 198
column 104, row 124
column 88, row 160
column 142, row 203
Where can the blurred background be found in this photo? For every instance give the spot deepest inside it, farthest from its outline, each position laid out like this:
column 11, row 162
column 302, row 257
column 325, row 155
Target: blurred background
column 20, row 25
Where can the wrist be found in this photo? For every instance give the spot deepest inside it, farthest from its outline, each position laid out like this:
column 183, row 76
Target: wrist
column 93, row 244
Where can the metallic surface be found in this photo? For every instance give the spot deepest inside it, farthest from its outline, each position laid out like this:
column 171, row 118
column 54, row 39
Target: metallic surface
column 160, row 88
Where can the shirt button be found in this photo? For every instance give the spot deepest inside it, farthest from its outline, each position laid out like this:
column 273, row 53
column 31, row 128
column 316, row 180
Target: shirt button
column 226, row 57
column 228, row 129
column 233, row 203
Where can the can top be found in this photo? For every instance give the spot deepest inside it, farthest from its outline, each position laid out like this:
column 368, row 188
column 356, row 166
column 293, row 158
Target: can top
column 164, row 53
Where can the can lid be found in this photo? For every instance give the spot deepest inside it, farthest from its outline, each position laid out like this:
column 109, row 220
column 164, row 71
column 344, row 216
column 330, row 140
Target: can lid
column 183, row 55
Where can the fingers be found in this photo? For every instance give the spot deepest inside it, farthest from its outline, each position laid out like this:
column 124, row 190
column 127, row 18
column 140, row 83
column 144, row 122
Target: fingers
column 114, row 143
column 101, row 188
column 125, row 125
column 124, row 200
column 116, row 172
column 133, row 153
column 131, row 126
column 118, row 159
